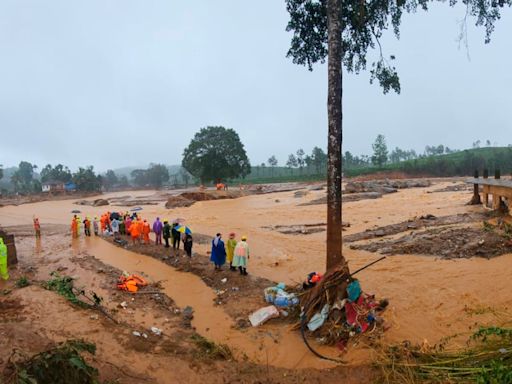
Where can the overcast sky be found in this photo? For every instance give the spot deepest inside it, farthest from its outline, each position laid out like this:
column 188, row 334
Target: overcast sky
column 128, row 82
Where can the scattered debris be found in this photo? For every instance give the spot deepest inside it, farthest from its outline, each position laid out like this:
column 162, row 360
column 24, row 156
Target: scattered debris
column 263, row 314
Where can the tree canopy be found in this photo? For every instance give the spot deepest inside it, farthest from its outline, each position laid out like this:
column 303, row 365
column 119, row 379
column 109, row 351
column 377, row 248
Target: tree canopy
column 57, row 173
column 380, row 151
column 216, row 153
column 86, row 180
column 23, row 178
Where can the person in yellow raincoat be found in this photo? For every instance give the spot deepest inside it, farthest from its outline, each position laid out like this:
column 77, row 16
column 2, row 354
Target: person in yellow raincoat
column 4, row 273
column 230, row 250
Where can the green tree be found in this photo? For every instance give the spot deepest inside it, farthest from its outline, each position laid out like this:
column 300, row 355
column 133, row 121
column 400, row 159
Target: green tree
column 323, row 28
column 23, row 177
column 58, row 173
column 157, row 175
column 319, row 160
column 272, row 162
column 1, row 171
column 380, row 151
column 110, row 179
column 300, row 159
column 86, row 180
column 216, row 153
column 291, row 162
column 139, row 177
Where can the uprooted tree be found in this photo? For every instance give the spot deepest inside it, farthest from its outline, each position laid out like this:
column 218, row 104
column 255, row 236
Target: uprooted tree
column 344, row 31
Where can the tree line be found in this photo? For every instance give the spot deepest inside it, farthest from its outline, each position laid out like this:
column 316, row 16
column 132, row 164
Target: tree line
column 25, row 179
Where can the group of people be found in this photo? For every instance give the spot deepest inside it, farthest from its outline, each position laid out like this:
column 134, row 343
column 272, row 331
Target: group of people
column 132, row 225
column 236, row 253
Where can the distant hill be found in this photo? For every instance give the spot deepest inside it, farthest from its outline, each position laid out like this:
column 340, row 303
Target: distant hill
column 462, row 163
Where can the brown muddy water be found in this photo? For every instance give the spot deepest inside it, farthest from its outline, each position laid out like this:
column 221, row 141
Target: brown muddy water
column 430, row 299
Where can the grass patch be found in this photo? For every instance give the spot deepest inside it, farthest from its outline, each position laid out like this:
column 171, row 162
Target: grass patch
column 62, row 364
column 487, row 361
column 208, row 349
column 22, row 282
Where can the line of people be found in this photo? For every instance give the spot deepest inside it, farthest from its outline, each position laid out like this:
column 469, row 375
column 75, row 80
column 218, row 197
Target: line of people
column 236, row 253
column 135, row 227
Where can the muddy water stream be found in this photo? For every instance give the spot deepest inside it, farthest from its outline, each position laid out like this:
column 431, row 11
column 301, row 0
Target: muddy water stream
column 282, row 347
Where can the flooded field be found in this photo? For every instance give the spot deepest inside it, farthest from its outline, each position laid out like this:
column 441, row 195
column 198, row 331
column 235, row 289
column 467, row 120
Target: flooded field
column 431, row 297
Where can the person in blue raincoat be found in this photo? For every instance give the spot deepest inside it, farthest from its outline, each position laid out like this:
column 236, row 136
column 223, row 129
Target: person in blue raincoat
column 4, row 274
column 218, row 256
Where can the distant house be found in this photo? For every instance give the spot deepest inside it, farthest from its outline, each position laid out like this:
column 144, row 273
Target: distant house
column 70, row 186
column 52, row 186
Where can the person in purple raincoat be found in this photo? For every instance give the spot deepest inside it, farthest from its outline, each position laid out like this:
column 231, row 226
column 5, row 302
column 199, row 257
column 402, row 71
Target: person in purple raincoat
column 157, row 228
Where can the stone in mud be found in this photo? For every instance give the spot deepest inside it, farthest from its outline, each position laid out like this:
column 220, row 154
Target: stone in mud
column 100, row 202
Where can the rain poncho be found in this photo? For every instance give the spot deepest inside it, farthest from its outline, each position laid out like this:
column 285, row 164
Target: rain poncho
column 241, row 254
column 4, row 274
column 230, row 249
column 218, row 256
column 157, row 226
column 115, row 226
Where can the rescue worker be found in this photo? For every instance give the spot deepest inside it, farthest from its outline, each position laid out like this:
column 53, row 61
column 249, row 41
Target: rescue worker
column 78, row 222
column 74, row 227
column 103, row 224
column 135, row 232
column 167, row 233
column 230, row 250
column 146, row 229
column 4, row 273
column 241, row 256
column 37, row 228
column 157, row 228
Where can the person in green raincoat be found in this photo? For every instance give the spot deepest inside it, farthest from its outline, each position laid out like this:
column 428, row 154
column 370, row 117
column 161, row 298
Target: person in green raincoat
column 4, row 274
column 230, row 250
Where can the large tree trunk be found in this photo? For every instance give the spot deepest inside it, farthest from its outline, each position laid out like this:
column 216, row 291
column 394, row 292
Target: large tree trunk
column 334, row 113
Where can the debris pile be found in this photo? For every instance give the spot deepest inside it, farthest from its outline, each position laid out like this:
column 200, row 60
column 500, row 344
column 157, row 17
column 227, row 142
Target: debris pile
column 336, row 310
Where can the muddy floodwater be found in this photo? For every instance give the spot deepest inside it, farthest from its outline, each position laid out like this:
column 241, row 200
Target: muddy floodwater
column 430, row 298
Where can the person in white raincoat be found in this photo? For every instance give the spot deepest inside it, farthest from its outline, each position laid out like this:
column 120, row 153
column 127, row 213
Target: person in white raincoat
column 241, row 255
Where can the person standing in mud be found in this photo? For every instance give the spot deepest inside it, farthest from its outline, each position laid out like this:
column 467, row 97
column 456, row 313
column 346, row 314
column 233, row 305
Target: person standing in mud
column 115, row 228
column 230, row 250
column 157, row 228
column 127, row 224
column 4, row 272
column 167, row 233
column 37, row 228
column 95, row 225
column 146, row 229
column 176, row 236
column 74, row 227
column 218, row 255
column 187, row 245
column 135, row 232
column 87, row 227
column 241, row 256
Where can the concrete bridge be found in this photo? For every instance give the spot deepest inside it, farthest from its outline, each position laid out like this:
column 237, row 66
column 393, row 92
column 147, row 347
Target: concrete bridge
column 499, row 190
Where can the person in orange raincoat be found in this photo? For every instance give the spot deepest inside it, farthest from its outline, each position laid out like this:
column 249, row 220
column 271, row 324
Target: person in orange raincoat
column 146, row 229
column 37, row 228
column 74, row 227
column 103, row 224
column 135, row 231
